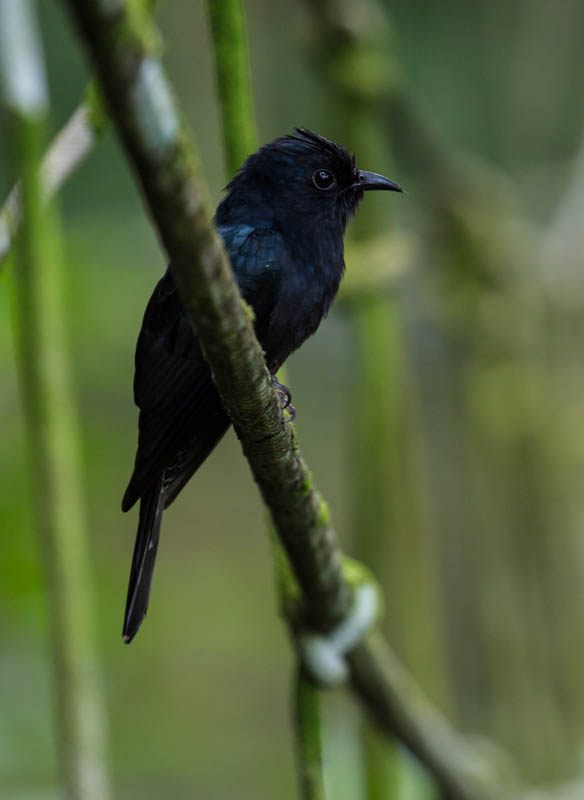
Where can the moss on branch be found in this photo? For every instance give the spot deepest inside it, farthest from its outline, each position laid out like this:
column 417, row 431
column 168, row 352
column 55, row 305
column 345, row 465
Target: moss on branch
column 51, row 421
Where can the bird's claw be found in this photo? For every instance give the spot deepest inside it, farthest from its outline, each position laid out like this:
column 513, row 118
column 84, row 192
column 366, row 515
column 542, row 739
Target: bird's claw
column 285, row 396
column 283, row 392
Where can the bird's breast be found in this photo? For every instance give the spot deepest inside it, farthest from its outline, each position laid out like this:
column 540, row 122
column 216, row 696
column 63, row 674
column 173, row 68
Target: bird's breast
column 290, row 278
column 303, row 300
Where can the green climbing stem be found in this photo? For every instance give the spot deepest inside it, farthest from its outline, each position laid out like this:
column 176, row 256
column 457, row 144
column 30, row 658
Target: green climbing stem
column 51, row 425
column 229, row 33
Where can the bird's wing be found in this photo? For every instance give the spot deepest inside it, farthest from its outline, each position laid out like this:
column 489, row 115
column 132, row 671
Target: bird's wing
column 265, row 271
column 258, row 258
column 180, row 409
column 181, row 415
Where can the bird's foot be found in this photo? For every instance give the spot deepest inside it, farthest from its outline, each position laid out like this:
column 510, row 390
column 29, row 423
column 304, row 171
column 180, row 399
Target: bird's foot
column 283, row 393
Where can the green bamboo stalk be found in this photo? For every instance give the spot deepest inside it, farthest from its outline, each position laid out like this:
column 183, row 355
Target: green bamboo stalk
column 69, row 149
column 381, row 761
column 229, row 33
column 374, row 446
column 228, row 29
column 309, row 727
column 374, row 320
column 309, row 737
column 358, row 68
column 51, row 422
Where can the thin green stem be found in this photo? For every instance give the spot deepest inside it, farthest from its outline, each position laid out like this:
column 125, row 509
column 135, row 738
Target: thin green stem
column 228, row 27
column 69, row 149
column 236, row 102
column 374, row 453
column 309, row 738
column 381, row 761
column 51, row 426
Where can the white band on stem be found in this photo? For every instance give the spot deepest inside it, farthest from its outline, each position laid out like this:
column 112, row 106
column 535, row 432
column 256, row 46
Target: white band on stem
column 324, row 656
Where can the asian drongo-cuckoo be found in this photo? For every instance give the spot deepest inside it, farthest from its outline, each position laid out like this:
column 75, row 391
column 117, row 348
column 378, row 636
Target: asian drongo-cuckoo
column 282, row 221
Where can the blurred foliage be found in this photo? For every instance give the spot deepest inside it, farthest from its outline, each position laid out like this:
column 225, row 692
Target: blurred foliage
column 484, row 562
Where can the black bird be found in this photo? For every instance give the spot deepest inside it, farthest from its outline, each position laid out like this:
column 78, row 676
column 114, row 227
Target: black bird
column 282, row 222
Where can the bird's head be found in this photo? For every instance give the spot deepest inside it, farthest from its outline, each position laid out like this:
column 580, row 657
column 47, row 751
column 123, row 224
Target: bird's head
column 303, row 174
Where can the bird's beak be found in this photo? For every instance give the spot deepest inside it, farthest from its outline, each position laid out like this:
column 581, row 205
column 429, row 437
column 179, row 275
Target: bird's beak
column 371, row 180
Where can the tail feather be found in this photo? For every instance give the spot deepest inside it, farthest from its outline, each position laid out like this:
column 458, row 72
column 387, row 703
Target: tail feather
column 151, row 507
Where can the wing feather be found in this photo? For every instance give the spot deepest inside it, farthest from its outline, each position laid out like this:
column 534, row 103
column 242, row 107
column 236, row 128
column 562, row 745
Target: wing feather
column 179, row 405
column 181, row 415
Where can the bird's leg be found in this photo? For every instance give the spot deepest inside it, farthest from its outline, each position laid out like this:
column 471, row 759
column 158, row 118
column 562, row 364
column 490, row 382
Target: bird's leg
column 285, row 398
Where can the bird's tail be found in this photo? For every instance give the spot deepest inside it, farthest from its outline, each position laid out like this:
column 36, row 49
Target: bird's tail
column 151, row 507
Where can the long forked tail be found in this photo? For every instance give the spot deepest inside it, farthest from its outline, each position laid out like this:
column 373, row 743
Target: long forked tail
column 151, row 507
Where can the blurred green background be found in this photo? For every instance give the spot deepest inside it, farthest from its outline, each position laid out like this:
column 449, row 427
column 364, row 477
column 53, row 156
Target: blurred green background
column 441, row 407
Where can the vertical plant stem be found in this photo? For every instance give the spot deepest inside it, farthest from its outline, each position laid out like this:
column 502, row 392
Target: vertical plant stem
column 69, row 149
column 229, row 32
column 228, row 27
column 309, row 739
column 381, row 764
column 374, row 447
column 51, row 422
column 338, row 48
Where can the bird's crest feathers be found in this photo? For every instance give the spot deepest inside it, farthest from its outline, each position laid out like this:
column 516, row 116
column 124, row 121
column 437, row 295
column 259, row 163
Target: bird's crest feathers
column 313, row 141
column 303, row 142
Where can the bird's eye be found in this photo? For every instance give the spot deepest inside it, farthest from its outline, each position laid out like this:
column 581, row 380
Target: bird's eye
column 323, row 179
